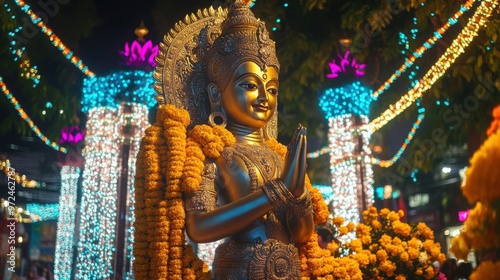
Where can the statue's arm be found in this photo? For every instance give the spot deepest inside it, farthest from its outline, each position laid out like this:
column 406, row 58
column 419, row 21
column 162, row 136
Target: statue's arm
column 205, row 222
column 228, row 219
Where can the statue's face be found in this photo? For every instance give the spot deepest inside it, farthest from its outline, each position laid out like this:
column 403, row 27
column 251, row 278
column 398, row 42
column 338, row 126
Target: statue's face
column 251, row 96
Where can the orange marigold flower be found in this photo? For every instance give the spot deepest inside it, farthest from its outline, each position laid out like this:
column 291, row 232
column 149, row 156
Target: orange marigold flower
column 487, row 270
column 343, row 230
column 460, row 247
column 351, row 226
column 430, row 272
column 413, row 253
column 404, row 256
column 366, row 239
column 388, row 267
column 381, row 255
column 338, row 221
column 384, row 212
column 385, row 240
column 495, row 124
column 482, row 177
column 376, row 225
column 362, row 230
column 424, row 230
column 393, row 216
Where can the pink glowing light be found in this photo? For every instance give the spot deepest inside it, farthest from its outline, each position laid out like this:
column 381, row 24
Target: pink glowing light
column 71, row 135
column 345, row 66
column 138, row 55
column 462, row 215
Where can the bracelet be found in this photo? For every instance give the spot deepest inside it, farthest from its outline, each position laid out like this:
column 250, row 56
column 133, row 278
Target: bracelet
column 302, row 207
column 280, row 197
column 271, row 191
column 295, row 206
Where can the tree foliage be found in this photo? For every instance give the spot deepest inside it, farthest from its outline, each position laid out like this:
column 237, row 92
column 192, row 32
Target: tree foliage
column 55, row 101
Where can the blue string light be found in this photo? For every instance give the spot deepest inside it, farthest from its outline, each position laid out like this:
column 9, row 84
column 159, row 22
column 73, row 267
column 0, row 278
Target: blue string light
column 352, row 99
column 128, row 86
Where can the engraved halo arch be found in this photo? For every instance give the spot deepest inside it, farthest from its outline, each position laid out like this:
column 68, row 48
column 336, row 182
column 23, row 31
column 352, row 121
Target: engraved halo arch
column 179, row 72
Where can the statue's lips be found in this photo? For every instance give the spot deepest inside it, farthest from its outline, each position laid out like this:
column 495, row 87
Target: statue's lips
column 260, row 108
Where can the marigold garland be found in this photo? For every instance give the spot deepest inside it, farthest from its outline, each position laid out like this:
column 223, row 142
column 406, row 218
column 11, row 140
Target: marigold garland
column 495, row 124
column 487, row 270
column 482, row 187
column 482, row 178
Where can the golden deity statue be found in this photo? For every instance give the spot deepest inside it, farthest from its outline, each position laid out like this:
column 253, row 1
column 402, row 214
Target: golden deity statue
column 210, row 167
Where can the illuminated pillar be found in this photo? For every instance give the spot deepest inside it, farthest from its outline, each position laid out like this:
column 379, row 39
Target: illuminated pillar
column 106, row 210
column 63, row 257
column 346, row 109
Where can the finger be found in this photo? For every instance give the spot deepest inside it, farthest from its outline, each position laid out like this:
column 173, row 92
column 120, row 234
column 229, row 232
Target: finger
column 302, row 165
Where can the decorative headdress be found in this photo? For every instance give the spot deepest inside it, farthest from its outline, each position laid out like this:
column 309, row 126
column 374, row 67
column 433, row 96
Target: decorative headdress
column 243, row 38
column 208, row 47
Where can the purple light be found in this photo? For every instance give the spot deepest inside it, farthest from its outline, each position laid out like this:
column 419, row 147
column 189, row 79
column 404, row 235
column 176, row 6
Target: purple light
column 344, row 66
column 71, row 135
column 137, row 55
column 462, row 215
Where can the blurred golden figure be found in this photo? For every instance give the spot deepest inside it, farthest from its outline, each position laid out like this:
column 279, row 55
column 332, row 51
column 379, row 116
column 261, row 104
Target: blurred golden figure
column 224, row 181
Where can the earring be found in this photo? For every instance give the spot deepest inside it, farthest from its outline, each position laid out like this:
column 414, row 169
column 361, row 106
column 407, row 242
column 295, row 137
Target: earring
column 217, row 119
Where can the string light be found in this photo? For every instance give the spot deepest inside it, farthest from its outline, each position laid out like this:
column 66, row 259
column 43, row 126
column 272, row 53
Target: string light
column 30, row 73
column 353, row 99
column 99, row 192
column 456, row 48
column 63, row 256
column 401, row 150
column 409, row 61
column 27, row 71
column 129, row 86
column 33, row 212
column 42, row 212
column 54, row 39
column 350, row 169
column 27, row 119
column 107, row 129
column 20, row 179
column 138, row 115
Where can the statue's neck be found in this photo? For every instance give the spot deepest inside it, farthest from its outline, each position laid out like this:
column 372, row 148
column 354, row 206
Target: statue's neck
column 246, row 135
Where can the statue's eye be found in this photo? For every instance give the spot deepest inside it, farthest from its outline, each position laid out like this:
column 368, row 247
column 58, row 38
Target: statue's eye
column 273, row 91
column 249, row 86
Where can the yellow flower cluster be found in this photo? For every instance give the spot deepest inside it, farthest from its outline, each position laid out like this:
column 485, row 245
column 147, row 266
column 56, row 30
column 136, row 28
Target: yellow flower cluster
column 318, row 263
column 387, row 248
column 482, row 187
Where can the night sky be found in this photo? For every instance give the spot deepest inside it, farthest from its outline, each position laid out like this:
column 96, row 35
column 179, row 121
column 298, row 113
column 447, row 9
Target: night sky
column 119, row 19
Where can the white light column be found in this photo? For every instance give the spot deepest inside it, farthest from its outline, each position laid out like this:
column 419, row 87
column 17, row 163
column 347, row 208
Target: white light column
column 351, row 171
column 63, row 259
column 96, row 246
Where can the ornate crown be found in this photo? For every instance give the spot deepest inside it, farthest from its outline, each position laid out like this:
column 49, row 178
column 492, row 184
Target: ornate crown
column 243, row 38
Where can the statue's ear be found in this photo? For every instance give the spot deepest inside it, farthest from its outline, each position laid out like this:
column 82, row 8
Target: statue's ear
column 213, row 93
column 214, row 96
